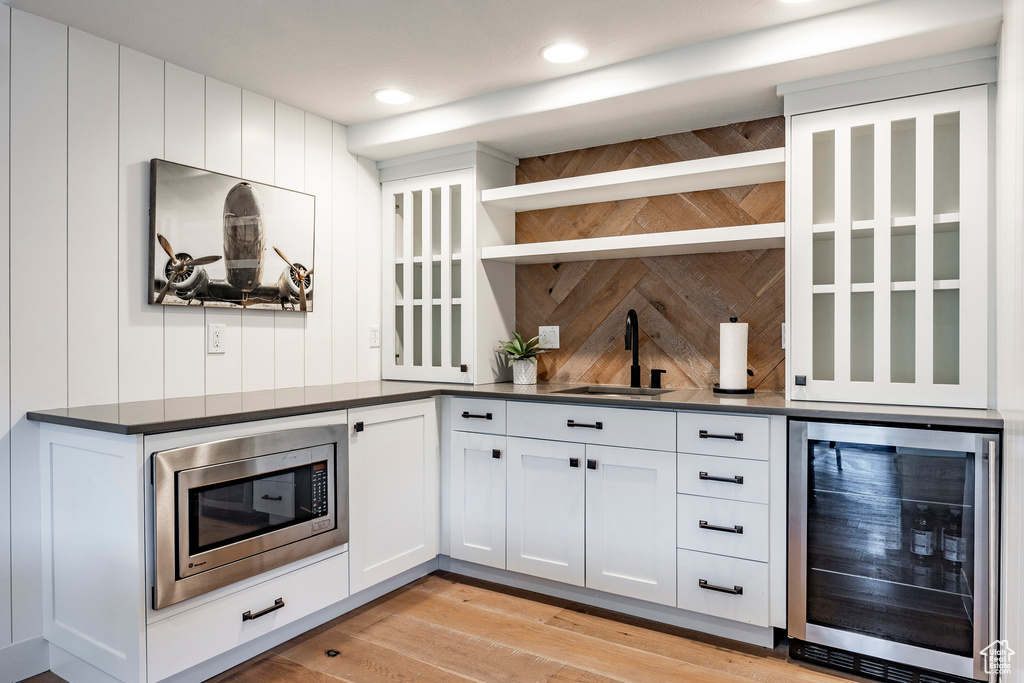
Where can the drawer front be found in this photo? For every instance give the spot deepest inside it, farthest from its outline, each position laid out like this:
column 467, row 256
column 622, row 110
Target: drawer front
column 718, row 477
column 480, row 415
column 737, row 436
column 723, row 587
column 645, row 429
column 191, row 637
column 723, row 527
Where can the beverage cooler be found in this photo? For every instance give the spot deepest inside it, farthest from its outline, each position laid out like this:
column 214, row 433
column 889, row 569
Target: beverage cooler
column 893, row 535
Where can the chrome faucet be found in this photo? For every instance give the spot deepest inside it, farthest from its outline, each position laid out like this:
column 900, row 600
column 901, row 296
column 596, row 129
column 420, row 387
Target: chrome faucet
column 633, row 344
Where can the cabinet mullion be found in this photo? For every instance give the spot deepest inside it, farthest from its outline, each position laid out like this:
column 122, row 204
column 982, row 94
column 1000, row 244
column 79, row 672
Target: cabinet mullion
column 408, row 350
column 843, row 248
column 446, row 275
column 883, row 250
column 427, row 276
column 925, row 251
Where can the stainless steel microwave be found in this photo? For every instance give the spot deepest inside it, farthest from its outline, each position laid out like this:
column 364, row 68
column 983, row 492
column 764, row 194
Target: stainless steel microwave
column 232, row 509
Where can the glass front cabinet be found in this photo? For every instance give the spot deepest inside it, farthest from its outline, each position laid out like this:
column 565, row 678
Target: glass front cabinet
column 889, row 229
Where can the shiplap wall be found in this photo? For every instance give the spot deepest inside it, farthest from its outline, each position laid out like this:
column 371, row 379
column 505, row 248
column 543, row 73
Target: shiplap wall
column 1010, row 318
column 83, row 119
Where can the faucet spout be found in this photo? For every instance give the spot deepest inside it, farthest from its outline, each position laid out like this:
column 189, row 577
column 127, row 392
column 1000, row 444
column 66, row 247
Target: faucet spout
column 633, row 344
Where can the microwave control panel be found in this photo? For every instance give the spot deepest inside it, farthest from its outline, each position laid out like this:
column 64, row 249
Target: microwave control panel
column 319, row 491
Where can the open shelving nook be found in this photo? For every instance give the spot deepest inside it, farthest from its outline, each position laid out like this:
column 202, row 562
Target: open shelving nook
column 732, row 170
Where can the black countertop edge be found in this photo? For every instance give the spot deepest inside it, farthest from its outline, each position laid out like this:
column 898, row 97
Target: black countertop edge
column 108, row 418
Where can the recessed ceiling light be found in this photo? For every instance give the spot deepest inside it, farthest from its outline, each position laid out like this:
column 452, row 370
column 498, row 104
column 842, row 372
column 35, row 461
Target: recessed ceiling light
column 563, row 53
column 393, row 96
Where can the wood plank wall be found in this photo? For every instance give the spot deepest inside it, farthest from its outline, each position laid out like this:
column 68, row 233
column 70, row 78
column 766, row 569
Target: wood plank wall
column 80, row 119
column 680, row 300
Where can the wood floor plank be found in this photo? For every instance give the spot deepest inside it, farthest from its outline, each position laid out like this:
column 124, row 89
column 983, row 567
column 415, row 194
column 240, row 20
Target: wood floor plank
column 469, row 656
column 277, row 669
column 607, row 659
column 493, row 601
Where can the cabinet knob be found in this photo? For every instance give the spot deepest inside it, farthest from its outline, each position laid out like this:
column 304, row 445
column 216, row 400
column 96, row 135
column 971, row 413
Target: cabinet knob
column 591, row 464
column 574, row 462
column 496, row 453
column 358, row 426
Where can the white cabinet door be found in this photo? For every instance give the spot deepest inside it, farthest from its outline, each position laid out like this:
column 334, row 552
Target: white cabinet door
column 889, row 232
column 631, row 523
column 478, row 498
column 546, row 496
column 393, row 484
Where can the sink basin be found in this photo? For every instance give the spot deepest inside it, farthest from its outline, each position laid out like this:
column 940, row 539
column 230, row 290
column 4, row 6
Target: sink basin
column 605, row 390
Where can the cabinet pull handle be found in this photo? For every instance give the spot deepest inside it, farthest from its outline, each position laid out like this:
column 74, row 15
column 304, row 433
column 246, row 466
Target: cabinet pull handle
column 738, row 479
column 496, row 453
column 738, row 436
column 358, row 426
column 591, row 464
column 574, row 423
column 267, row 496
column 249, row 616
column 737, row 529
column 735, row 590
column 574, row 462
column 468, row 414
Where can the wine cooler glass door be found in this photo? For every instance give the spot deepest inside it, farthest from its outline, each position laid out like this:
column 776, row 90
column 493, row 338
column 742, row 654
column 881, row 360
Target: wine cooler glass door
column 895, row 530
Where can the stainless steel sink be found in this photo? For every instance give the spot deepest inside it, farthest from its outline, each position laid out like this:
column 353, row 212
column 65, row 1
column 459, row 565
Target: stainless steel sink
column 606, row 390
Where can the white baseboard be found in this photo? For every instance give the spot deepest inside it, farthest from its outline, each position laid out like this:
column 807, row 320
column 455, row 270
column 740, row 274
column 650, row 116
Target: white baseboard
column 24, row 659
column 71, row 668
column 762, row 636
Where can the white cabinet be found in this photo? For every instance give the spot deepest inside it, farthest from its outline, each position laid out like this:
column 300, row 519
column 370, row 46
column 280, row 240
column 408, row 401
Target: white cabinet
column 889, row 223
column 546, row 508
column 631, row 524
column 443, row 311
column 393, row 480
column 594, row 516
column 477, row 523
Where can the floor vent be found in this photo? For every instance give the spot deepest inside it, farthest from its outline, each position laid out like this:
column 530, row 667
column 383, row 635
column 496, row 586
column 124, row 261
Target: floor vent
column 866, row 666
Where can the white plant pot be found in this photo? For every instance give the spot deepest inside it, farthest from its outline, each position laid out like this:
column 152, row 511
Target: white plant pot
column 524, row 372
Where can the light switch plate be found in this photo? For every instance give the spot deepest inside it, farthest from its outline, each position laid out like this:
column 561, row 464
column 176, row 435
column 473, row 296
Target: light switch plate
column 215, row 342
column 548, row 336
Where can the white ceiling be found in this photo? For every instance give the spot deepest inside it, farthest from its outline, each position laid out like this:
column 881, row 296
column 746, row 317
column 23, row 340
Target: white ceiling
column 328, row 56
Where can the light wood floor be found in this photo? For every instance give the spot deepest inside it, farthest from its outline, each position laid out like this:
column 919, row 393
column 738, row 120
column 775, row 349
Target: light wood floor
column 445, row 627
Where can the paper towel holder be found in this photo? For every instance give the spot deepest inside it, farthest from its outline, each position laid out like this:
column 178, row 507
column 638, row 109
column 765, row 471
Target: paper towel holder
column 718, row 390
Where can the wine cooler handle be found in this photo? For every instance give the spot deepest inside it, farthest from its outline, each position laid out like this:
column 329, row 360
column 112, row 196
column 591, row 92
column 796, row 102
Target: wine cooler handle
column 993, row 540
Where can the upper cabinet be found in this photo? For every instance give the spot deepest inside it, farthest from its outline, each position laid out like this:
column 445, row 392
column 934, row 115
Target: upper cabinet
column 444, row 310
column 889, row 230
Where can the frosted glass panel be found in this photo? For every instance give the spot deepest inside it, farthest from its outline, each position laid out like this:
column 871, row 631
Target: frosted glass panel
column 456, row 335
column 824, row 258
column 417, row 223
column 947, row 163
column 903, row 169
column 862, row 173
column 455, row 193
column 435, row 219
column 824, row 323
column 902, row 353
column 417, row 281
column 903, row 254
column 436, row 346
column 399, row 336
column 946, row 349
column 862, row 336
column 399, row 225
column 824, row 190
column 947, row 251
column 399, row 281
column 862, row 256
column 417, row 335
column 456, row 279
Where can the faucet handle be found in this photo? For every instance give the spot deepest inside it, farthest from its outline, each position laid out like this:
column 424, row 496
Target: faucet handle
column 656, row 378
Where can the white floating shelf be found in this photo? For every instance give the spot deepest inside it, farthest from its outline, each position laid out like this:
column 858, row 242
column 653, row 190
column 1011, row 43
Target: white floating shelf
column 731, row 170
column 702, row 241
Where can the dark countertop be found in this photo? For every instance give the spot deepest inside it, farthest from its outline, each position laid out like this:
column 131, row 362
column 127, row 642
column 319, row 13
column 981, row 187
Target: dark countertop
column 174, row 414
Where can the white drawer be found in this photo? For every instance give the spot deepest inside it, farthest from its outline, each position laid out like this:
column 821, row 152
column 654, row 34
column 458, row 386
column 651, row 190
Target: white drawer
column 723, row 527
column 480, row 415
column 191, row 637
column 737, row 436
column 719, row 477
column 742, row 584
column 629, row 427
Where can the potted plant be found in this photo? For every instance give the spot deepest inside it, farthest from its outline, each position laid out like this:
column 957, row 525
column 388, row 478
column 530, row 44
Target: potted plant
column 523, row 358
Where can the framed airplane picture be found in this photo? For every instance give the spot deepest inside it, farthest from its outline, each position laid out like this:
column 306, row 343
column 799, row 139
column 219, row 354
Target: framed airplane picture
column 222, row 241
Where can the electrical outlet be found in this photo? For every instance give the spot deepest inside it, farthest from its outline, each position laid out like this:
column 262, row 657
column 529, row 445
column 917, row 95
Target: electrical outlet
column 374, row 336
column 215, row 342
column 548, row 336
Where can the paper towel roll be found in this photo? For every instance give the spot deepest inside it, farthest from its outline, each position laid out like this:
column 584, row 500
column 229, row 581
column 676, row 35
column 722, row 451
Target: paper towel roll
column 732, row 356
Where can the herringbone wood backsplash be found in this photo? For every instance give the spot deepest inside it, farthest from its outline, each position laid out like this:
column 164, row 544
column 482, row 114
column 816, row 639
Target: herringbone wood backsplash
column 680, row 300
